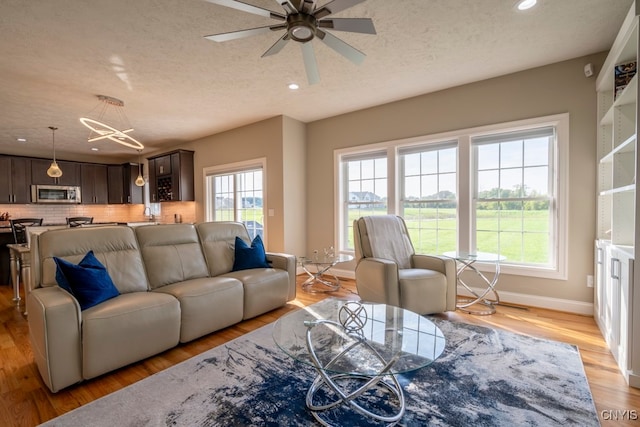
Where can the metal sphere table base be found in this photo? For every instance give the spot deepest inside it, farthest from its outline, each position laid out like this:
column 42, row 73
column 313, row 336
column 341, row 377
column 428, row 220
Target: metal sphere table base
column 331, row 383
column 326, row 380
column 488, row 298
column 318, row 282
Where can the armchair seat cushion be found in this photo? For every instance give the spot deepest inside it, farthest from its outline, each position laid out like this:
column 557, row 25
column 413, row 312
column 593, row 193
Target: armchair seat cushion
column 422, row 291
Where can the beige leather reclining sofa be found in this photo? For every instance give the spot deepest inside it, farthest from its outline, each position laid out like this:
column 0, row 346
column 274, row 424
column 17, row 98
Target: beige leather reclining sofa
column 175, row 283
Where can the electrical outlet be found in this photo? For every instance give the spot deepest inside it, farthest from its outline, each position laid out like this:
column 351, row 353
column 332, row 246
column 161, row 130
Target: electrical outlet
column 589, row 281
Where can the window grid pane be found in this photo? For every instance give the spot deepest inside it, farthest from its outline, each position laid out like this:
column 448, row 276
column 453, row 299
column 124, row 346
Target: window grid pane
column 366, row 189
column 429, row 204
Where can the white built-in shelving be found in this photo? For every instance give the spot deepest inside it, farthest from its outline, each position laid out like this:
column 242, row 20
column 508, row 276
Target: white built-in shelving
column 616, row 300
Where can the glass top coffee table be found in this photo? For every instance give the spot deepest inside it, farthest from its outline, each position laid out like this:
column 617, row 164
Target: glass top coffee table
column 357, row 349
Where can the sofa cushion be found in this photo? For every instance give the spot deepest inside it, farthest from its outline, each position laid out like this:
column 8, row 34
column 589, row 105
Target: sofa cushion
column 246, row 257
column 126, row 329
column 115, row 247
column 264, row 289
column 218, row 239
column 207, row 304
column 88, row 281
column 171, row 253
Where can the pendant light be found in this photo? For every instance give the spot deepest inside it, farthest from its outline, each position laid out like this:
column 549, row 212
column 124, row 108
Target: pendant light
column 111, row 123
column 139, row 180
column 54, row 170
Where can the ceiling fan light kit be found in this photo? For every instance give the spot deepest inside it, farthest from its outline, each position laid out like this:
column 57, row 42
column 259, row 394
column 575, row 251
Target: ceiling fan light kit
column 302, row 23
column 99, row 129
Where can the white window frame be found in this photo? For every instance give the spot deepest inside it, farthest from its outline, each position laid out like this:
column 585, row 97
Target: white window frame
column 465, row 193
column 232, row 168
column 560, row 167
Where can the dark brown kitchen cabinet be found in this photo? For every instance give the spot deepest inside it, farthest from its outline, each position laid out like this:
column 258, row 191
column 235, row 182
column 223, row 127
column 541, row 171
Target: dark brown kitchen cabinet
column 15, row 179
column 122, row 186
column 153, row 182
column 115, row 179
column 70, row 173
column 163, row 165
column 94, row 185
column 171, row 177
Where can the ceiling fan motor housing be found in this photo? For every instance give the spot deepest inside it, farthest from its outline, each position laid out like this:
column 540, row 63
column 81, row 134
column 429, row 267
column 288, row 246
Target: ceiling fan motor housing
column 301, row 27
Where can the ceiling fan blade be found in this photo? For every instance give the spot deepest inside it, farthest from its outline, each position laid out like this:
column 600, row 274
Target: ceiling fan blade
column 277, row 46
column 288, row 6
column 310, row 64
column 223, row 37
column 354, row 25
column 307, row 6
column 248, row 8
column 344, row 49
column 334, row 7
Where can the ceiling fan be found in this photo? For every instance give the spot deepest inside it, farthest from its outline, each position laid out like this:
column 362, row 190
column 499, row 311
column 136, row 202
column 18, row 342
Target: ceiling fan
column 303, row 22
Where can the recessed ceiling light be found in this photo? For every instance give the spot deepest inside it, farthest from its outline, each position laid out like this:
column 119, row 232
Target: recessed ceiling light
column 526, row 4
column 294, row 86
column 94, row 149
column 22, row 140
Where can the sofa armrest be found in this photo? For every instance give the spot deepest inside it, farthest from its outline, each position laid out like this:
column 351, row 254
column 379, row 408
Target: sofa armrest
column 55, row 333
column 444, row 265
column 377, row 281
column 287, row 263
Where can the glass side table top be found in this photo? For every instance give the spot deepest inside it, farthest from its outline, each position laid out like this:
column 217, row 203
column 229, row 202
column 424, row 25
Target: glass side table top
column 397, row 340
column 323, row 260
column 475, row 256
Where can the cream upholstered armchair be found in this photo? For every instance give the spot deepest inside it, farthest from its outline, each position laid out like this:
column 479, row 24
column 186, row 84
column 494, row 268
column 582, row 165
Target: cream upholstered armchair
column 388, row 270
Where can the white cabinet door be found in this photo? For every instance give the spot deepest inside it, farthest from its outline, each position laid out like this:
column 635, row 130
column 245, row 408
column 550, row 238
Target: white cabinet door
column 621, row 275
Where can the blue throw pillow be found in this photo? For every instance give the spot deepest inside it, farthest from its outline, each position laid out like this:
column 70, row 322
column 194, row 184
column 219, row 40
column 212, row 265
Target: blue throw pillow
column 249, row 257
column 88, row 281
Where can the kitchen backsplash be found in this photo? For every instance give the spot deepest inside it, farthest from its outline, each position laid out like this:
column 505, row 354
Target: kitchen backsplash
column 57, row 214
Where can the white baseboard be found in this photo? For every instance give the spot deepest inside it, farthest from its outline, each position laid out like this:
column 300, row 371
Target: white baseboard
column 559, row 304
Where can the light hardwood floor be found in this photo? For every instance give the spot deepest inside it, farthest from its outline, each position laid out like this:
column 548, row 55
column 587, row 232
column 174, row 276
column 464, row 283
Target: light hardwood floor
column 25, row 400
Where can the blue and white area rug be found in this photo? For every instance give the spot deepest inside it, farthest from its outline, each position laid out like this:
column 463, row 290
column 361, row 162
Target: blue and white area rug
column 485, row 377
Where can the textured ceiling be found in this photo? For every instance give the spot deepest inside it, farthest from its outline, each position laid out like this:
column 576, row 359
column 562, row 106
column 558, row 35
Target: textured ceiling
column 177, row 86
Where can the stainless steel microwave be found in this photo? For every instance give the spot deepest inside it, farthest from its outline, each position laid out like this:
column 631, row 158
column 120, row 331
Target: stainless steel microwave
column 55, row 194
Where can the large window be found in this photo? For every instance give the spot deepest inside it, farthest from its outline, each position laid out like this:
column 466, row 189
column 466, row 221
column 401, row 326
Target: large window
column 498, row 188
column 236, row 193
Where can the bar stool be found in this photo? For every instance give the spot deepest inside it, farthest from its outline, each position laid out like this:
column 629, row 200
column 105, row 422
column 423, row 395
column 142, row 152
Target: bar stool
column 20, row 255
column 77, row 221
column 18, row 227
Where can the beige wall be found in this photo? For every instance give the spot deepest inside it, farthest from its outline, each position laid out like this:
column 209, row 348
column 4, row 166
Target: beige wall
column 553, row 89
column 294, row 186
column 259, row 140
